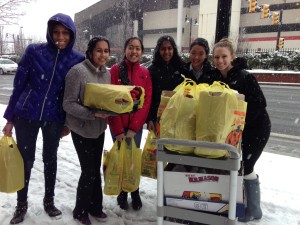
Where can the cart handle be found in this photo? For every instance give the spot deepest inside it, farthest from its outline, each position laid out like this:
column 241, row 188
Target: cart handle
column 234, row 152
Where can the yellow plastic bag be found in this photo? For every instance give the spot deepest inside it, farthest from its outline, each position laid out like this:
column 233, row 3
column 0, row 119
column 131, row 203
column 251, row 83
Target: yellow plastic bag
column 149, row 157
column 132, row 166
column 11, row 166
column 113, row 98
column 164, row 99
column 178, row 120
column 215, row 117
column 235, row 135
column 114, row 170
column 105, row 159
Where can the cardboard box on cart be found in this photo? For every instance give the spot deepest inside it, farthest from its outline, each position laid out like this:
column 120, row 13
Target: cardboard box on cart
column 192, row 190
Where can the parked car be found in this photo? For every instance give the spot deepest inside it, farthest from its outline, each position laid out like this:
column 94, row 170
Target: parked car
column 147, row 64
column 7, row 66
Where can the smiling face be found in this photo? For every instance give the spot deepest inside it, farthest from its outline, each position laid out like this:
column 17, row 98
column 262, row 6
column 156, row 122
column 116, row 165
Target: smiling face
column 166, row 51
column 222, row 58
column 133, row 51
column 197, row 57
column 61, row 36
column 100, row 54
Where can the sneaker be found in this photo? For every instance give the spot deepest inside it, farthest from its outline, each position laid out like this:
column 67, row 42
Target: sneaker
column 85, row 220
column 101, row 217
column 122, row 200
column 136, row 200
column 50, row 208
column 21, row 210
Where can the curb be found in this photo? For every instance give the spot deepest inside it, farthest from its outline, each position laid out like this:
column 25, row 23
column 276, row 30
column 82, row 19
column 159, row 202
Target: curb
column 280, row 84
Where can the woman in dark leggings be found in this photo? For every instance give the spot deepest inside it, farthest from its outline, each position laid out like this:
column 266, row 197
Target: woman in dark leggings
column 88, row 129
column 231, row 71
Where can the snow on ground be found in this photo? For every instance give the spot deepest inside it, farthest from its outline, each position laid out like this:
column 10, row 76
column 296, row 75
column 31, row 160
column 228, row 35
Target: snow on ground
column 279, row 191
column 274, row 71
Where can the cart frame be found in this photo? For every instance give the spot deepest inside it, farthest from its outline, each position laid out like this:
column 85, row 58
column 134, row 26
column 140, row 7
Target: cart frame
column 232, row 164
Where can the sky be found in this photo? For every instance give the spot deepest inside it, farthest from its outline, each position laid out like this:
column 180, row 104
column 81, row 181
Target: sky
column 280, row 196
column 38, row 12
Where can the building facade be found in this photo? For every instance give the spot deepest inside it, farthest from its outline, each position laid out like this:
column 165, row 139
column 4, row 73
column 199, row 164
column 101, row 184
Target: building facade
column 149, row 19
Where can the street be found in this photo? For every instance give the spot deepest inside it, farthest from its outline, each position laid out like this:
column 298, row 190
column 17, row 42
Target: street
column 283, row 107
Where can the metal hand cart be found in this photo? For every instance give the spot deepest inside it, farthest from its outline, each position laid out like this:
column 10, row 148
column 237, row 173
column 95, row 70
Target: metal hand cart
column 232, row 164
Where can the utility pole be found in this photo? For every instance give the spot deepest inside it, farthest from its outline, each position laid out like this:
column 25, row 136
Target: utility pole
column 179, row 25
column 192, row 22
column 223, row 19
column 279, row 29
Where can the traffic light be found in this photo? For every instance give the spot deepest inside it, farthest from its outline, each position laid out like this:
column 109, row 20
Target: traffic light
column 281, row 43
column 275, row 18
column 265, row 11
column 252, row 6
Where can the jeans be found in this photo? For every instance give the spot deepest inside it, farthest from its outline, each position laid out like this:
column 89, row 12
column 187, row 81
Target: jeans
column 26, row 134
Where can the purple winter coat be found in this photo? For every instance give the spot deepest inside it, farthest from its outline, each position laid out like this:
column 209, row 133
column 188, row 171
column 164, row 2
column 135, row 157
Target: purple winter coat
column 40, row 79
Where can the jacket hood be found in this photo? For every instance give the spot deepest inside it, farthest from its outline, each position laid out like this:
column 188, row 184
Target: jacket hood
column 240, row 63
column 66, row 21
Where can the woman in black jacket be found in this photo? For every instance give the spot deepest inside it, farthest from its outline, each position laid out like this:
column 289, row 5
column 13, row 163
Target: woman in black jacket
column 258, row 125
column 199, row 68
column 165, row 72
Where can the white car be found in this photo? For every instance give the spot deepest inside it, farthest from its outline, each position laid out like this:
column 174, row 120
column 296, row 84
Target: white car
column 7, row 66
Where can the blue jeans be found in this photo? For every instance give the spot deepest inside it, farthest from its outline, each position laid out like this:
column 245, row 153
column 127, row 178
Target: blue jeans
column 26, row 134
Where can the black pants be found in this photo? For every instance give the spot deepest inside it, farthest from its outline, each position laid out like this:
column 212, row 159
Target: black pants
column 89, row 191
column 26, row 134
column 253, row 143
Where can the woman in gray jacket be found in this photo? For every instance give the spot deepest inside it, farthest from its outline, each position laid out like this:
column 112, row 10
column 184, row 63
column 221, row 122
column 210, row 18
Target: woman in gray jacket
column 88, row 129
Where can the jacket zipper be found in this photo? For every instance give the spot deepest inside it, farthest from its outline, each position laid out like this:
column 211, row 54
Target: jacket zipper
column 131, row 83
column 53, row 73
column 27, row 97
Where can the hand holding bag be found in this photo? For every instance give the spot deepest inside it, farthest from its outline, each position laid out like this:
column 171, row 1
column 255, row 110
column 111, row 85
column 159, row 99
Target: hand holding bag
column 11, row 166
column 113, row 98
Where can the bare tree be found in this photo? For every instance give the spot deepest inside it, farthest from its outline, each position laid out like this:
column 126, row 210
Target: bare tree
column 10, row 11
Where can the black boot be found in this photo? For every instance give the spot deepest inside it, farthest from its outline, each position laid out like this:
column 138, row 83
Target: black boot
column 50, row 208
column 253, row 210
column 122, row 200
column 136, row 200
column 21, row 210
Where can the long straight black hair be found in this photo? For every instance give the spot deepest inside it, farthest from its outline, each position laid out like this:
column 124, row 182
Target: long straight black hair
column 175, row 60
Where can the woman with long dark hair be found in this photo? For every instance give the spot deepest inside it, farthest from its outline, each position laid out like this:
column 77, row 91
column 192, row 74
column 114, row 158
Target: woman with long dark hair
column 166, row 70
column 130, row 72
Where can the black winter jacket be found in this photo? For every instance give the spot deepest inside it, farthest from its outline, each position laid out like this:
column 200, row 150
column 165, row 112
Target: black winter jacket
column 206, row 77
column 164, row 77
